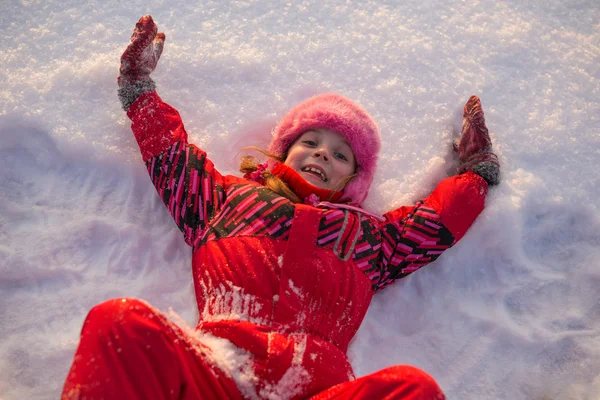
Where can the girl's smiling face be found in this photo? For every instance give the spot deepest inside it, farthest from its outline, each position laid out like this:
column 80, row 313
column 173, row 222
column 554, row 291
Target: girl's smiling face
column 322, row 157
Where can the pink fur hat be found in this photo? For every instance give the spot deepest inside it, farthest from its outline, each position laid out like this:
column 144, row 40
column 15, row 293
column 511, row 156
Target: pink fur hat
column 339, row 114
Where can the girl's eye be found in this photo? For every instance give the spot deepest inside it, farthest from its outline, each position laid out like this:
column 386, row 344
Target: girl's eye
column 341, row 156
column 310, row 143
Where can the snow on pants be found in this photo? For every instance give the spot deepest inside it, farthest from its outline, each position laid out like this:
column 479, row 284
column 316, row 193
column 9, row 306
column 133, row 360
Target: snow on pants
column 129, row 350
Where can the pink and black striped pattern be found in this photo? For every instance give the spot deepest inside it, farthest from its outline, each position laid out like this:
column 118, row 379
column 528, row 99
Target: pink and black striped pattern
column 251, row 211
column 189, row 185
column 410, row 244
column 206, row 209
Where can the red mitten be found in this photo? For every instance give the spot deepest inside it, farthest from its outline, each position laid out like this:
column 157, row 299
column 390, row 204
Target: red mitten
column 475, row 147
column 139, row 60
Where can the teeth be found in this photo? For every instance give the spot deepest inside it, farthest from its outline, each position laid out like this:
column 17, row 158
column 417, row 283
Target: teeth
column 317, row 171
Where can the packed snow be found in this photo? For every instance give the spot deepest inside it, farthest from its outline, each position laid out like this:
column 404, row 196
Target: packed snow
column 511, row 312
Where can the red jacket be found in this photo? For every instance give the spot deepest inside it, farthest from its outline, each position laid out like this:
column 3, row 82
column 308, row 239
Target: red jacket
column 288, row 284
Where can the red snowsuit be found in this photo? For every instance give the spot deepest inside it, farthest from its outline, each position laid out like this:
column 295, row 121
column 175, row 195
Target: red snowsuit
column 282, row 287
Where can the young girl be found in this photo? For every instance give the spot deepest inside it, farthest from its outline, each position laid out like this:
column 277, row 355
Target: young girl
column 285, row 262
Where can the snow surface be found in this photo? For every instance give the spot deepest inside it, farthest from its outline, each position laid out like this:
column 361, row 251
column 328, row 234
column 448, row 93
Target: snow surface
column 511, row 312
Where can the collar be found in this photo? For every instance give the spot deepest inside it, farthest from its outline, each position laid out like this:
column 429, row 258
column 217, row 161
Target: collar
column 300, row 186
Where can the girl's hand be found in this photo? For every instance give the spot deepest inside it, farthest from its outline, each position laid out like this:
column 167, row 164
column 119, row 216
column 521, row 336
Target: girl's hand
column 475, row 146
column 142, row 54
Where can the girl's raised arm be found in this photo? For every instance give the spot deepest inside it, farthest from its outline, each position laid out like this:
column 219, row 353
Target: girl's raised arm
column 416, row 236
column 413, row 237
column 185, row 179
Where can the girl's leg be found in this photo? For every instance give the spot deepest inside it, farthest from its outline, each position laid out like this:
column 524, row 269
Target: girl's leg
column 398, row 382
column 128, row 350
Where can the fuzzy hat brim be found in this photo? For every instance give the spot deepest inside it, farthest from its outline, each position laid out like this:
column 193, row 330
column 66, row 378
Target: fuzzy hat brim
column 339, row 114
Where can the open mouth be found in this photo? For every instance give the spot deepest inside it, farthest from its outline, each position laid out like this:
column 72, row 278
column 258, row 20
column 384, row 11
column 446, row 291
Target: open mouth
column 316, row 171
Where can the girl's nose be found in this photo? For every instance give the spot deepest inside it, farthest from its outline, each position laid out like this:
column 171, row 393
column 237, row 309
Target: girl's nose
column 322, row 154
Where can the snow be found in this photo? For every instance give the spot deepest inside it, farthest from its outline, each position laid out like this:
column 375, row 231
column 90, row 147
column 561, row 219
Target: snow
column 230, row 303
column 511, row 312
column 294, row 380
column 235, row 362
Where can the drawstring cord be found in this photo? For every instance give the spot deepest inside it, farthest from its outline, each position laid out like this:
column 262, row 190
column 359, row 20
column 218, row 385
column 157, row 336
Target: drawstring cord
column 326, row 204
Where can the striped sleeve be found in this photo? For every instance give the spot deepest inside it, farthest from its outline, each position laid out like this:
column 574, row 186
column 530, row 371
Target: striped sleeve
column 189, row 186
column 186, row 181
column 413, row 237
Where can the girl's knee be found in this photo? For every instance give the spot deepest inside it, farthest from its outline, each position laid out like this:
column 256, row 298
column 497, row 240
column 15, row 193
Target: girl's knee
column 407, row 371
column 418, row 380
column 116, row 315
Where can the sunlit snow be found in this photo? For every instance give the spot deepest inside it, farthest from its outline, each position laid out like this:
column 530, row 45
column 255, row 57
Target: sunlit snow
column 511, row 312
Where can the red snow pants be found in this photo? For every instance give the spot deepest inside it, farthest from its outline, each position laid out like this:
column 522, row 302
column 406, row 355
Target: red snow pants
column 129, row 350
